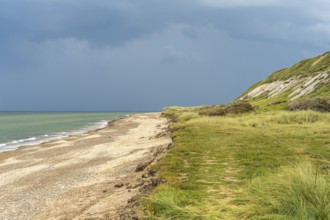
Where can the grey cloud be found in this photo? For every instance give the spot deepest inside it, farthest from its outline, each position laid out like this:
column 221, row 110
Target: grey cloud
column 144, row 55
column 73, row 72
column 243, row 3
column 116, row 22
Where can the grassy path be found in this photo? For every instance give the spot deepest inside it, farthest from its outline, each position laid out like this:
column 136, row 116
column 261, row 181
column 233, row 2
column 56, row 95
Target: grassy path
column 217, row 161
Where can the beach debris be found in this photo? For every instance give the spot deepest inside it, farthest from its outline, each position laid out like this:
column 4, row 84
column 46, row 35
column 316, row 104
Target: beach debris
column 152, row 172
column 141, row 166
column 119, row 185
column 137, row 185
column 160, row 135
column 149, row 173
column 152, row 184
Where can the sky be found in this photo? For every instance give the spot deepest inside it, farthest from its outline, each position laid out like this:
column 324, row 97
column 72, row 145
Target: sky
column 129, row 55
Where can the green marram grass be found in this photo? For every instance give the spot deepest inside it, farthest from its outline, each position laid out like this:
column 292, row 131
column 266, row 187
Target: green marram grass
column 258, row 165
column 296, row 192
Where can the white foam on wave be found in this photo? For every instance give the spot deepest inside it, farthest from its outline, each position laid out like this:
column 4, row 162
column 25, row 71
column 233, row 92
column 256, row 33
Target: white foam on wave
column 12, row 145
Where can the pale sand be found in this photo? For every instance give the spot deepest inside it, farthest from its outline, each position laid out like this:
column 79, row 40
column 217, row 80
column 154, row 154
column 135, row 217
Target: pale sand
column 75, row 178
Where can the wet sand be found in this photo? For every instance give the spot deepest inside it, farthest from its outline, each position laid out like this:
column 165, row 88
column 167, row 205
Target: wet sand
column 90, row 176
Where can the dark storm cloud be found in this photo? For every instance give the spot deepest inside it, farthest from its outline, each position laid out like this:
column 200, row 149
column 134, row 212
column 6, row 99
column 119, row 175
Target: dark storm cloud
column 42, row 20
column 117, row 21
column 144, row 55
column 96, row 21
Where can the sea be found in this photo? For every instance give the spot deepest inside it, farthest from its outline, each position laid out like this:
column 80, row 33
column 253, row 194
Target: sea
column 30, row 128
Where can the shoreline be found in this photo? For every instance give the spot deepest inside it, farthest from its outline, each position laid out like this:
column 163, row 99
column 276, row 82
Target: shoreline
column 41, row 139
column 92, row 175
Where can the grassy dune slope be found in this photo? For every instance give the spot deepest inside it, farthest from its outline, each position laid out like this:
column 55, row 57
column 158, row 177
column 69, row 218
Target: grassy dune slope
column 314, row 72
column 308, row 67
column 250, row 166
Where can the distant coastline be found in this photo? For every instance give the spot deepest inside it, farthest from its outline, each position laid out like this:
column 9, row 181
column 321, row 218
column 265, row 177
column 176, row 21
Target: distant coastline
column 23, row 129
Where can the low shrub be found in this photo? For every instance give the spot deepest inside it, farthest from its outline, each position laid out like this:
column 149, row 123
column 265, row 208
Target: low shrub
column 239, row 107
column 221, row 110
column 316, row 104
column 213, row 111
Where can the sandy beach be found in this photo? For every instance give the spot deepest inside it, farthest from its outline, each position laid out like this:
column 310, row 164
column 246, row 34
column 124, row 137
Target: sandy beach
column 90, row 176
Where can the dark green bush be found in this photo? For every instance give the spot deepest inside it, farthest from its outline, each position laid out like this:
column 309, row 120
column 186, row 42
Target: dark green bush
column 234, row 108
column 239, row 107
column 213, row 111
column 316, row 104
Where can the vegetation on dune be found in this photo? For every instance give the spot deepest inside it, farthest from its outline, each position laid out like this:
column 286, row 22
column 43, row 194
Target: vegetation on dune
column 252, row 159
column 242, row 166
column 296, row 192
column 303, row 68
column 317, row 104
column 309, row 78
column 184, row 114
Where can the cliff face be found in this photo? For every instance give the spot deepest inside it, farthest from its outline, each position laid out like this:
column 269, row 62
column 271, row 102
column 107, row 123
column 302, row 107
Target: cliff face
column 306, row 79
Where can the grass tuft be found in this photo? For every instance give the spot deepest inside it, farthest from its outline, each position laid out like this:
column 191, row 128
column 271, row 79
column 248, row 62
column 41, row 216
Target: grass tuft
column 186, row 116
column 298, row 192
column 299, row 117
column 170, row 203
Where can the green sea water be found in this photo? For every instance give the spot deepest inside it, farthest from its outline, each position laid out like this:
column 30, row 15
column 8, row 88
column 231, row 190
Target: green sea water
column 28, row 128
